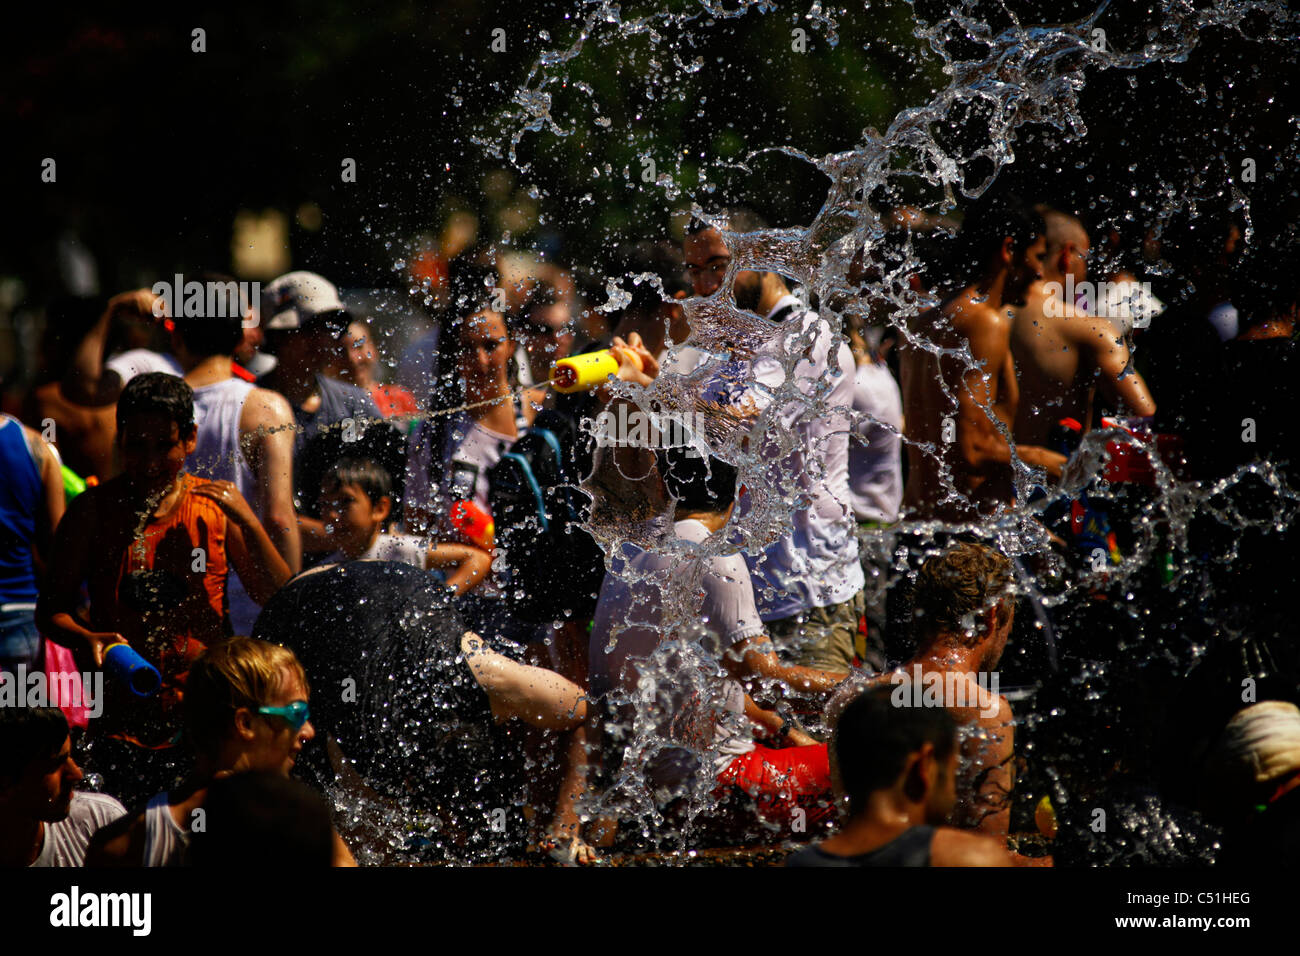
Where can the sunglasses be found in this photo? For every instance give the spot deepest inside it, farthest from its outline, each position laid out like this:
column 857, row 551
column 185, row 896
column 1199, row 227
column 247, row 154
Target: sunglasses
column 296, row 713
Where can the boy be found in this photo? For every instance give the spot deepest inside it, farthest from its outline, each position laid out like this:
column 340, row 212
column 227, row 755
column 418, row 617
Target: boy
column 153, row 547
column 356, row 502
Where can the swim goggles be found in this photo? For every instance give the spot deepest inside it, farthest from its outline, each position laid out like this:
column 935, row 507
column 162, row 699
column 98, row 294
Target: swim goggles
column 296, row 713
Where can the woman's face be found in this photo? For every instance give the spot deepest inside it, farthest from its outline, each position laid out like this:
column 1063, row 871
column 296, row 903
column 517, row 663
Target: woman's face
column 485, row 348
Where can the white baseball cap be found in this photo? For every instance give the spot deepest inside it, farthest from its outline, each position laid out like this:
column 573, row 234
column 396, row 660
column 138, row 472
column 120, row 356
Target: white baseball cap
column 296, row 298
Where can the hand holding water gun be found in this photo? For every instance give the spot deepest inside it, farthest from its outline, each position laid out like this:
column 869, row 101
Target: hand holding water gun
column 628, row 361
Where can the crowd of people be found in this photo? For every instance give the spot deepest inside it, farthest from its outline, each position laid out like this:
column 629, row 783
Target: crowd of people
column 541, row 636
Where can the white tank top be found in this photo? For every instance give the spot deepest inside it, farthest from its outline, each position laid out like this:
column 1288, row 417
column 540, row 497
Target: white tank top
column 164, row 842
column 218, row 457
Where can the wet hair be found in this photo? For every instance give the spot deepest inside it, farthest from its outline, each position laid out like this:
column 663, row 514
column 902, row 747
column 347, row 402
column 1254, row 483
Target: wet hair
column 258, row 820
column 987, row 225
column 28, row 734
column 235, row 673
column 218, row 334
column 698, row 483
column 370, row 476
column 874, row 739
column 157, row 393
column 953, row 588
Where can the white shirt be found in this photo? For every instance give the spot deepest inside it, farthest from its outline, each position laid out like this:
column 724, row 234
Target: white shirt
column 816, row 564
column 876, row 468
column 708, row 716
column 65, row 842
column 218, row 456
column 401, row 548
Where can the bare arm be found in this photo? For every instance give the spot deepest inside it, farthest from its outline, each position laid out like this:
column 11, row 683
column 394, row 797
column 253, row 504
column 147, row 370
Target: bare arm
column 533, row 694
column 471, row 564
column 1111, row 356
column 755, row 658
column 59, row 601
column 53, row 502
column 248, row 546
column 268, row 428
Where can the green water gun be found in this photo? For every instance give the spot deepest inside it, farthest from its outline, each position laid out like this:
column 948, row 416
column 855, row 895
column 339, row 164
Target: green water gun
column 74, row 484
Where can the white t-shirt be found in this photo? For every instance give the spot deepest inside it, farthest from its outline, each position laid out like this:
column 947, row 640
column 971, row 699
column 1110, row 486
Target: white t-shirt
column 707, row 716
column 135, row 362
column 469, row 451
column 66, row 841
column 401, row 548
column 816, row 564
column 876, row 469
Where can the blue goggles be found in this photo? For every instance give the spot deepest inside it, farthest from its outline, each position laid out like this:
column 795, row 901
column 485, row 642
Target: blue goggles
column 296, row 713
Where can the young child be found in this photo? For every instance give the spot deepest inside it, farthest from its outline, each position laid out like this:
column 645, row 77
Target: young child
column 153, row 547
column 356, row 502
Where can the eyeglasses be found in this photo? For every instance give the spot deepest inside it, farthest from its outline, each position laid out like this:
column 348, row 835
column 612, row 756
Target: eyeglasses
column 296, row 713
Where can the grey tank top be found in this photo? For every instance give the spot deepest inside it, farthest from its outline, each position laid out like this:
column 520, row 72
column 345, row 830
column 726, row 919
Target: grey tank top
column 910, row 848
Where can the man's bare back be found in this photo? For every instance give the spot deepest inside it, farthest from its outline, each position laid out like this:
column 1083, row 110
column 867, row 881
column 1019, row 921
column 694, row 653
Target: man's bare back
column 947, row 405
column 1061, row 355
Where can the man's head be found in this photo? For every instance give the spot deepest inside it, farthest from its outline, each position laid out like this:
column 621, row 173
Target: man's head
column 965, row 596
column 358, row 356
column 707, row 259
column 245, row 706
column 356, row 500
column 1067, row 246
column 302, row 319
column 909, row 750
column 155, row 429
column 37, row 772
column 1003, row 235
column 219, row 328
column 258, row 821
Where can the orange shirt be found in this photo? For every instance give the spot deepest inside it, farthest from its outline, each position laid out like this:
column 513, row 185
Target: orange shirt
column 165, row 592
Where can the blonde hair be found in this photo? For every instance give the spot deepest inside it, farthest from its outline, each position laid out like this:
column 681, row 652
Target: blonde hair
column 235, row 673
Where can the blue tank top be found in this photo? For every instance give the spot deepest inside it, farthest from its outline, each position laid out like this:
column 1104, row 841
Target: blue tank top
column 20, row 497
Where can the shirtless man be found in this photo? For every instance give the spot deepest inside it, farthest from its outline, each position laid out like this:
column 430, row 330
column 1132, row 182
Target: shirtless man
column 957, row 409
column 963, row 611
column 1061, row 352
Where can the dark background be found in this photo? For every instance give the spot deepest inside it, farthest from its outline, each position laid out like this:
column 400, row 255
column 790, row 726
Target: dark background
column 158, row 148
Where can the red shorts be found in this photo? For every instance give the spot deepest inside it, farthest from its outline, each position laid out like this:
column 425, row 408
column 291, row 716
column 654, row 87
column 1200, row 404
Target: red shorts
column 781, row 781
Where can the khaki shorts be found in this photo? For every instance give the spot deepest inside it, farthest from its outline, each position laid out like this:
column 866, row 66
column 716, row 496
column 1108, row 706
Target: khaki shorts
column 824, row 638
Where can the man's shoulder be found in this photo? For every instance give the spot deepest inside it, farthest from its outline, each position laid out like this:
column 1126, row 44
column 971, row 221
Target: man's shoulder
column 265, row 407
column 951, row 846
